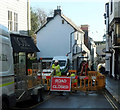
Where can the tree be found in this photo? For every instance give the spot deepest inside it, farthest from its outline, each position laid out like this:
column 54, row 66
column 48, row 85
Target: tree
column 34, row 22
column 42, row 17
column 38, row 19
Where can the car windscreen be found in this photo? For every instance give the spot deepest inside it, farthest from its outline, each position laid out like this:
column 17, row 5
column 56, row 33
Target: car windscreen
column 62, row 63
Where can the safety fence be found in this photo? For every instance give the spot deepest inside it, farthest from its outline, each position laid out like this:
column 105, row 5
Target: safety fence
column 26, row 80
column 93, row 81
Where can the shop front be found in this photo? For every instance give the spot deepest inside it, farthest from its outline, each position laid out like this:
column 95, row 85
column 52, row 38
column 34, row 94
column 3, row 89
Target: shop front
column 22, row 46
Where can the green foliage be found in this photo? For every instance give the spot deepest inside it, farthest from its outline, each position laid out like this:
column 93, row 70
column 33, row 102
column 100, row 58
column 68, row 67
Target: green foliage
column 34, row 22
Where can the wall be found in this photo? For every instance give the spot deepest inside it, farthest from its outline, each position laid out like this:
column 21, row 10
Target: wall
column 54, row 38
column 116, row 7
column 17, row 6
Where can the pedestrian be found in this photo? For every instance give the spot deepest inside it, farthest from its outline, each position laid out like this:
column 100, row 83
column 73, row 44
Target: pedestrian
column 56, row 69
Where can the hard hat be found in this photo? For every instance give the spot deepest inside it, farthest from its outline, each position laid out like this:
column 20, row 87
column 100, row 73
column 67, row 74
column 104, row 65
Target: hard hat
column 56, row 61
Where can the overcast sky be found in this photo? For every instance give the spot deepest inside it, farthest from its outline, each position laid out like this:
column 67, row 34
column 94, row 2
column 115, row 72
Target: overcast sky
column 80, row 12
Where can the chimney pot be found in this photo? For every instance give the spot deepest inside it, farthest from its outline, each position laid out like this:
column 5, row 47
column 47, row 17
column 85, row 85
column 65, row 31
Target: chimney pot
column 57, row 11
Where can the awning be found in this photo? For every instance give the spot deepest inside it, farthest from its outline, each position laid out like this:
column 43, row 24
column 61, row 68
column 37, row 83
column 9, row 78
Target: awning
column 21, row 43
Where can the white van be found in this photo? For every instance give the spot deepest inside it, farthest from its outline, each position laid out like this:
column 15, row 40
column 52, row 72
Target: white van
column 63, row 62
column 14, row 87
column 7, row 91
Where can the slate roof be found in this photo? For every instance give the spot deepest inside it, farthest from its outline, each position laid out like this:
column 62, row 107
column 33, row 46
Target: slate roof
column 69, row 21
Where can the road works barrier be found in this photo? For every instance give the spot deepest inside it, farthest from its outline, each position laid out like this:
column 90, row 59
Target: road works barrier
column 93, row 81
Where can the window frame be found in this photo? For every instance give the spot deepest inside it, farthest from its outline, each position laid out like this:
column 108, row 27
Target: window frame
column 15, row 22
column 111, row 7
column 10, row 22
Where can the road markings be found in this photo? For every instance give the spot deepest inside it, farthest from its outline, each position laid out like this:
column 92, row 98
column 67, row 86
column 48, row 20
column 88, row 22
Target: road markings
column 111, row 102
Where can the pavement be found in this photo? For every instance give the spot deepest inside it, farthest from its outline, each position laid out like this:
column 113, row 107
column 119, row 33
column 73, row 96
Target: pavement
column 113, row 86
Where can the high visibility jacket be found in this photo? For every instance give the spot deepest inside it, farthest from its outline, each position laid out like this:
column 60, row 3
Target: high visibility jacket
column 74, row 81
column 57, row 69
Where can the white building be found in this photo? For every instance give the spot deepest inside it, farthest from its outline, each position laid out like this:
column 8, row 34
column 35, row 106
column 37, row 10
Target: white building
column 93, row 53
column 112, row 17
column 15, row 15
column 60, row 37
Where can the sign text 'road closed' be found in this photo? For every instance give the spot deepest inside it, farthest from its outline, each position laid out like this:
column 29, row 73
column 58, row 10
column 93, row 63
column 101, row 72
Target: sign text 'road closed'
column 60, row 84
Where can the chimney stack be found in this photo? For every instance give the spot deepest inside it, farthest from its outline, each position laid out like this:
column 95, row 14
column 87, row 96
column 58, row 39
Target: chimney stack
column 57, row 11
column 86, row 39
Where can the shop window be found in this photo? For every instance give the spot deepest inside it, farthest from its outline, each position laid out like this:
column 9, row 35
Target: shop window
column 22, row 58
column 16, row 58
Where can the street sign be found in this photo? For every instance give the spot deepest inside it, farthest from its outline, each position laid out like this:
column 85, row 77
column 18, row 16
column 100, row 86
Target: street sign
column 60, row 84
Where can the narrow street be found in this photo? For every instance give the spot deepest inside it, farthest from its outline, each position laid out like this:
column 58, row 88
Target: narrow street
column 59, row 54
column 76, row 100
column 79, row 100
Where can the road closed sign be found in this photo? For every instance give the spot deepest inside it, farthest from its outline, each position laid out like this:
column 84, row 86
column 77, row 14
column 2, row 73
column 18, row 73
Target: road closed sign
column 60, row 84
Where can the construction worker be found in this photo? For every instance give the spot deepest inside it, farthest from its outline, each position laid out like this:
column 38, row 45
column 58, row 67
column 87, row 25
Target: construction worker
column 84, row 69
column 74, row 81
column 56, row 68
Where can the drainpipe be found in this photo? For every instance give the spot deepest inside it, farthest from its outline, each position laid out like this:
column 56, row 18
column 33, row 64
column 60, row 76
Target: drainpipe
column 113, row 62
column 71, row 48
column 71, row 41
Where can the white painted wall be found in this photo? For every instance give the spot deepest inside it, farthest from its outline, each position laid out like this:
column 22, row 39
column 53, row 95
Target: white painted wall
column 17, row 6
column 54, row 38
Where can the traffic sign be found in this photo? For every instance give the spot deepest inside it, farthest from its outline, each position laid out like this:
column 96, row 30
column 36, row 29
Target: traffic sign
column 60, row 84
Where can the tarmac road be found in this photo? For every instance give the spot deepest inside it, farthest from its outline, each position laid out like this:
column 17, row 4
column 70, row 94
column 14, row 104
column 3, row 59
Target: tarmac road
column 78, row 100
